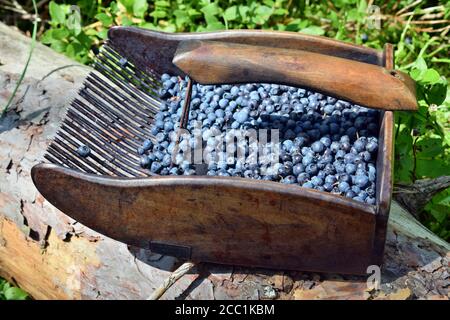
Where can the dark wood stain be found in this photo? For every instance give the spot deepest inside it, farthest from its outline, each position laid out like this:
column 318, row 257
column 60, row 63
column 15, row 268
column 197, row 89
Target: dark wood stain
column 234, row 220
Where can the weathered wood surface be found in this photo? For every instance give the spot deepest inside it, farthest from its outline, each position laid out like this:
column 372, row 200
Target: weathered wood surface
column 51, row 256
column 213, row 62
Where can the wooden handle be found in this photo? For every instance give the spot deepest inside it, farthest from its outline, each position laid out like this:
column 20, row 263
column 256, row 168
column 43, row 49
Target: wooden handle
column 213, row 62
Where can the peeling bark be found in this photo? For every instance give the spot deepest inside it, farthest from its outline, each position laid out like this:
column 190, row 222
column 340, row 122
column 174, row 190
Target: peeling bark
column 53, row 257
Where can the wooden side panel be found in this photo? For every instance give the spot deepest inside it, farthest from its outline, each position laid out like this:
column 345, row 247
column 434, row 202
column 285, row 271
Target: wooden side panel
column 224, row 220
column 385, row 167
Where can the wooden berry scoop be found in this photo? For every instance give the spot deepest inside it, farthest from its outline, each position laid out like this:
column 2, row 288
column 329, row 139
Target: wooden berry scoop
column 215, row 62
column 226, row 220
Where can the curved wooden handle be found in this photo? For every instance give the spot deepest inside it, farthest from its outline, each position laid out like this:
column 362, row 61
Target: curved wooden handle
column 213, row 62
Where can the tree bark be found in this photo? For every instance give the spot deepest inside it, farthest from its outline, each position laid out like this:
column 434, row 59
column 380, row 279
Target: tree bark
column 52, row 256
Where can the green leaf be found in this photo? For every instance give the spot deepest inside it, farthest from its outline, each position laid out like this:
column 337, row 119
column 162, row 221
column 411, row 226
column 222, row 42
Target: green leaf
column 313, row 30
column 243, row 12
column 103, row 34
column 59, row 34
column 126, row 21
column 231, row 13
column 14, row 293
column 140, row 8
column 158, row 14
column 128, row 4
column 73, row 21
column 431, row 76
column 162, row 4
column 262, row 14
column 57, row 13
column 105, row 19
column 211, row 9
column 280, row 12
column 181, row 18
column 58, row 45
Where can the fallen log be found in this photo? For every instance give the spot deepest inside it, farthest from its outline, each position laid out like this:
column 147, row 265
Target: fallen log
column 52, row 256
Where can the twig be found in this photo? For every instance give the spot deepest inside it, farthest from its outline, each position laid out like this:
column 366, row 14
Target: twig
column 33, row 42
column 177, row 274
column 60, row 68
column 404, row 9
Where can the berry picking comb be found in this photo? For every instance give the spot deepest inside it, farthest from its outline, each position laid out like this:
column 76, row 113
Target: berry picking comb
column 201, row 218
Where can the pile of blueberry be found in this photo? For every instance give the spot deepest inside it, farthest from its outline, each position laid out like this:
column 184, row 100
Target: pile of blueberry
column 325, row 143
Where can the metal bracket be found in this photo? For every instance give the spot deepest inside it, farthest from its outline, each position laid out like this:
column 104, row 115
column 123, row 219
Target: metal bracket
column 182, row 252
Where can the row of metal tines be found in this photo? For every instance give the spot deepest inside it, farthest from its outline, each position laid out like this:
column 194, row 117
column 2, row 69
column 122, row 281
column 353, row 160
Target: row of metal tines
column 112, row 115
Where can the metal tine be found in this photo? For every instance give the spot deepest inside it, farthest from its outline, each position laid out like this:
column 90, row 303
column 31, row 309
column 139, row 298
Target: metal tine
column 93, row 159
column 95, row 88
column 137, row 111
column 106, row 58
column 125, row 72
column 53, row 159
column 113, row 113
column 52, row 152
column 61, row 148
column 107, row 143
column 149, row 75
column 103, row 162
column 66, row 135
column 151, row 103
column 106, row 124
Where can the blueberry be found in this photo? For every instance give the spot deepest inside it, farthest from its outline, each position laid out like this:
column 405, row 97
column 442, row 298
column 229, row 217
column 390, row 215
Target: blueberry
column 308, row 184
column 361, row 181
column 83, row 151
column 316, row 181
column 296, row 158
column 298, row 168
column 311, row 169
column 371, row 146
column 350, row 168
column 241, row 116
column 289, row 180
column 140, row 150
column 307, row 159
column 155, row 167
column 318, row 147
column 364, row 37
column 147, row 144
column 144, row 161
column 343, row 186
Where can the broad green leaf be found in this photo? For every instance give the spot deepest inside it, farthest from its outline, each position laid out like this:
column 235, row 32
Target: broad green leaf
column 56, row 12
column 420, row 64
column 181, row 17
column 211, row 9
column 140, row 8
column 59, row 34
column 103, row 34
column 47, row 37
column 14, row 293
column 231, row 13
column 158, row 14
column 280, row 12
column 105, row 19
column 313, row 30
column 162, row 4
column 58, row 45
column 243, row 12
column 126, row 21
column 431, row 76
column 128, row 4
column 262, row 14
column 73, row 21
